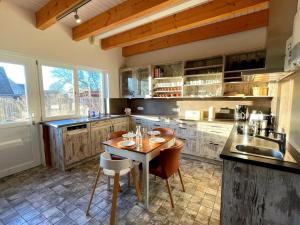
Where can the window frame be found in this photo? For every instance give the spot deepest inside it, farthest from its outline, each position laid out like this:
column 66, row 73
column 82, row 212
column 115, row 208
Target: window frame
column 75, row 68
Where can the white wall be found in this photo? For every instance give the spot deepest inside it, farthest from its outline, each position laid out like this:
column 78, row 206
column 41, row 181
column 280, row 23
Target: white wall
column 18, row 34
column 244, row 41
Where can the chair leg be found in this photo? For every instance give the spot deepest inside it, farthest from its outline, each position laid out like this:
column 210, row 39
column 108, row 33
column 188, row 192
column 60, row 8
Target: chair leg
column 170, row 193
column 114, row 199
column 128, row 178
column 137, row 189
column 119, row 187
column 108, row 183
column 93, row 191
column 140, row 179
column 179, row 173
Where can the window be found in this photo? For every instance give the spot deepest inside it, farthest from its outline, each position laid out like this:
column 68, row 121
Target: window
column 13, row 101
column 90, row 87
column 58, row 87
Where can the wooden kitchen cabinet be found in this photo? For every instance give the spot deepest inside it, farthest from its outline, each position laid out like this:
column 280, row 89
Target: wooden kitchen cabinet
column 202, row 139
column 72, row 144
column 101, row 129
column 76, row 145
column 69, row 145
column 121, row 124
column 99, row 133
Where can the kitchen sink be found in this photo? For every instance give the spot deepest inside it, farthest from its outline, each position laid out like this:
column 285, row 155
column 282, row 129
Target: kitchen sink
column 259, row 151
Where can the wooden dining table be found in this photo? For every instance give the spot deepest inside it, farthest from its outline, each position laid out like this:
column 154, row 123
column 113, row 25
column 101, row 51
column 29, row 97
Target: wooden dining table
column 144, row 154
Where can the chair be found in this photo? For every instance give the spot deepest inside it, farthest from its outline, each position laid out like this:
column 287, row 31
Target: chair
column 166, row 164
column 165, row 131
column 116, row 134
column 110, row 136
column 115, row 167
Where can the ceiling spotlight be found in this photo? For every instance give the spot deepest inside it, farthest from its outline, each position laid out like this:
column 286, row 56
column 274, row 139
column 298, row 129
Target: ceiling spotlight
column 77, row 18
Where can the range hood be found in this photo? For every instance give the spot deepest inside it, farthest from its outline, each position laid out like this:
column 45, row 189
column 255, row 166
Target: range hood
column 280, row 28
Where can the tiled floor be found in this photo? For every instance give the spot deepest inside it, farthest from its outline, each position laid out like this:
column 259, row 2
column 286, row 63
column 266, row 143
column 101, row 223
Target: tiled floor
column 47, row 196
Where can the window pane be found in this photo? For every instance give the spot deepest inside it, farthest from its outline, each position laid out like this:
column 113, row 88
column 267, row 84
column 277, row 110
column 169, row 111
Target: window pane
column 90, row 92
column 13, row 102
column 58, row 84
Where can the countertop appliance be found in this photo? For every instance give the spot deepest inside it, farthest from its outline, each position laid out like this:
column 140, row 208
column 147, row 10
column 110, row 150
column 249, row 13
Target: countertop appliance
column 241, row 112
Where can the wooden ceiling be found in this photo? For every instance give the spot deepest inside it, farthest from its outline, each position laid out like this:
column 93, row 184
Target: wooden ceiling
column 211, row 19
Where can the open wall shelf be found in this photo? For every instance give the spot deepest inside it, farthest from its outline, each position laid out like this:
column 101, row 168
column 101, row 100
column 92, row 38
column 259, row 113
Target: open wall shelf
column 209, row 77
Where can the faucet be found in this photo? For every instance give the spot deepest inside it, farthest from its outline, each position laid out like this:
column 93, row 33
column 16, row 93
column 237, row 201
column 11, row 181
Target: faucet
column 281, row 141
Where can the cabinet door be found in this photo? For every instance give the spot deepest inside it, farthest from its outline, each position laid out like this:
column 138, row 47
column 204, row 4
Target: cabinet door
column 181, row 132
column 128, row 83
column 121, row 126
column 143, row 79
column 99, row 135
column 76, row 146
column 190, row 147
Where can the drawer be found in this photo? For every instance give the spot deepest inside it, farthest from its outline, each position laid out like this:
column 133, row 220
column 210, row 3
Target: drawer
column 101, row 123
column 120, row 120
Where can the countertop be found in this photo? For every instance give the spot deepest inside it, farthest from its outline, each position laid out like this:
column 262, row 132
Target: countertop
column 68, row 122
column 160, row 118
column 290, row 163
column 167, row 118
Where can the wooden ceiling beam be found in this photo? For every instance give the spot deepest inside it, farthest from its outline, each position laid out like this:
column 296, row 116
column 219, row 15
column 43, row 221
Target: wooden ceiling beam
column 235, row 25
column 119, row 15
column 47, row 15
column 181, row 21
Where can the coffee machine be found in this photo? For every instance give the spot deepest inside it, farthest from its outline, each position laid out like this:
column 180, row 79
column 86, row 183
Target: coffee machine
column 241, row 113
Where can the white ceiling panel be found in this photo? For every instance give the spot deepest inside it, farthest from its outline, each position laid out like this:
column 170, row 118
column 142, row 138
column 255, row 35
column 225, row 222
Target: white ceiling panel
column 86, row 12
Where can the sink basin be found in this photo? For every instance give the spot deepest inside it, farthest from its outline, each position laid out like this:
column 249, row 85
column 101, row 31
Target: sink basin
column 259, row 151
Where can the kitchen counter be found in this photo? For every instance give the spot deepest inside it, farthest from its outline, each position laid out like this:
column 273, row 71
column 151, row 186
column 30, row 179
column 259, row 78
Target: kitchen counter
column 180, row 120
column 68, row 122
column 290, row 162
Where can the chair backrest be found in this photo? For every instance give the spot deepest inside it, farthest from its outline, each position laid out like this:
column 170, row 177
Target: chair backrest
column 169, row 159
column 117, row 165
column 116, row 134
column 165, row 131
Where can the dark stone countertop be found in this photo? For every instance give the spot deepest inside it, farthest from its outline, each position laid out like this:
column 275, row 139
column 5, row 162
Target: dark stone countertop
column 68, row 122
column 290, row 163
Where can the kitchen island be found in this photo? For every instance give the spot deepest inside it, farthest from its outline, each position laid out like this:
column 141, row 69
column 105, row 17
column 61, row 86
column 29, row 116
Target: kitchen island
column 259, row 190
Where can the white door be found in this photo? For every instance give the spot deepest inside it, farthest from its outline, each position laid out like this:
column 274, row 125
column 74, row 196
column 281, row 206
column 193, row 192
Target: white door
column 19, row 107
